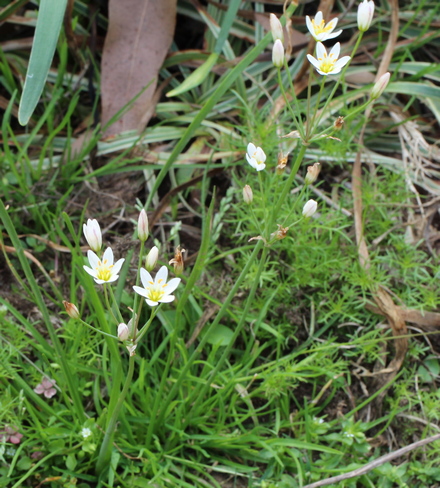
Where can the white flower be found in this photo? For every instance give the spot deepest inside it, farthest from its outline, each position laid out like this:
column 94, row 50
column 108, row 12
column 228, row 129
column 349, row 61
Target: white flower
column 328, row 64
column 309, row 208
column 158, row 290
column 320, row 30
column 143, row 226
column 103, row 271
column 276, row 28
column 379, row 86
column 248, row 195
column 123, row 332
column 85, row 432
column 151, row 259
column 92, row 233
column 278, row 54
column 255, row 157
column 365, row 15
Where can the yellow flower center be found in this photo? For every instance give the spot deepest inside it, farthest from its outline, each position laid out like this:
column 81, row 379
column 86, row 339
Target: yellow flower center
column 255, row 156
column 157, row 291
column 321, row 27
column 104, row 270
column 327, row 63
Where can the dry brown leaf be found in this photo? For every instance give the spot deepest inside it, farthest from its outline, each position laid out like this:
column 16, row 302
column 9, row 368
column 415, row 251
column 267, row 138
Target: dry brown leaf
column 139, row 36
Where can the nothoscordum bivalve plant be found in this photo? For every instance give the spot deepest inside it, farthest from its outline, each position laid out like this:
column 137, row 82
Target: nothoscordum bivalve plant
column 256, row 157
column 103, row 270
column 320, row 30
column 328, row 64
column 157, row 290
column 93, row 235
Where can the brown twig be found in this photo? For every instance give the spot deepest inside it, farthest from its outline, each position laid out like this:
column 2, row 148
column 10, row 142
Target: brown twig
column 374, row 464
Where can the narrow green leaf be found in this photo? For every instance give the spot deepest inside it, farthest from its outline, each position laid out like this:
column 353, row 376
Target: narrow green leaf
column 50, row 19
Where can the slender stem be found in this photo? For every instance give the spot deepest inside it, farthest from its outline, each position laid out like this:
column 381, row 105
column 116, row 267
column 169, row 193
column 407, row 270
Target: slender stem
column 290, row 179
column 97, row 330
column 298, row 199
column 318, row 101
column 107, row 302
column 283, row 91
column 104, row 452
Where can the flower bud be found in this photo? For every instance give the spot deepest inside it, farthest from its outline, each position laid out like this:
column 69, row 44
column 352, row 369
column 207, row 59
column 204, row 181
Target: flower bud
column 312, row 173
column 248, row 196
column 309, row 208
column 143, row 226
column 379, row 86
column 278, row 54
column 365, row 15
column 72, row 310
column 276, row 28
column 177, row 261
column 92, row 233
column 338, row 123
column 151, row 259
column 123, row 332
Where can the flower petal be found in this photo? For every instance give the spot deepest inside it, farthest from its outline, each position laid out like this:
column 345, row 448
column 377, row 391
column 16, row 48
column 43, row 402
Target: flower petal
column 140, row 291
column 146, row 278
column 108, row 255
column 314, row 61
column 91, row 272
column 336, row 49
column 333, row 35
column 340, row 63
column 151, row 303
column 320, row 50
column 318, row 17
column 117, row 266
column 93, row 258
column 172, row 285
column 167, row 299
column 251, row 148
column 310, row 25
column 161, row 275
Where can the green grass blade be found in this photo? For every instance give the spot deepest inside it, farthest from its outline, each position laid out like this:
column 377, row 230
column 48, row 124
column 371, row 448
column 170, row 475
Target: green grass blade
column 50, row 19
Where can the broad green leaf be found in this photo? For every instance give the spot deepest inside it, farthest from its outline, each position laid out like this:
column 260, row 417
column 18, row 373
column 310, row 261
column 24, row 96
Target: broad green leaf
column 50, row 19
column 220, row 336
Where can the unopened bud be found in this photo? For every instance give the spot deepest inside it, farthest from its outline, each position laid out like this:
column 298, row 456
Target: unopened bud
column 312, row 173
column 278, row 54
column 151, row 259
column 338, row 123
column 309, row 208
column 92, row 233
column 177, row 261
column 72, row 310
column 365, row 15
column 123, row 332
column 282, row 161
column 143, row 226
column 276, row 28
column 379, row 86
column 248, row 196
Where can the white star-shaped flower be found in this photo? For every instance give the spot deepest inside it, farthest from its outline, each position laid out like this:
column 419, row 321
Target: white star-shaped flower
column 158, row 290
column 103, row 271
column 320, row 30
column 328, row 64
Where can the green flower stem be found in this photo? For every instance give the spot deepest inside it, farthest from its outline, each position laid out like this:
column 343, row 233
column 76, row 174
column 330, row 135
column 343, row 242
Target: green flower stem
column 136, row 296
column 199, row 394
column 107, row 302
column 119, row 319
column 183, row 374
column 97, row 330
column 105, row 451
column 298, row 199
column 289, row 181
column 318, row 101
column 145, row 328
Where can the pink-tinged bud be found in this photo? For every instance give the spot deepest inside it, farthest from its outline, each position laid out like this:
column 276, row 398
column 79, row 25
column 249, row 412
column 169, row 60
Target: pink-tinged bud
column 312, row 173
column 278, row 54
column 72, row 310
column 177, row 261
column 151, row 259
column 379, row 86
column 123, row 332
column 143, row 226
column 92, row 233
column 248, row 196
column 365, row 15
column 309, row 208
column 276, row 28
